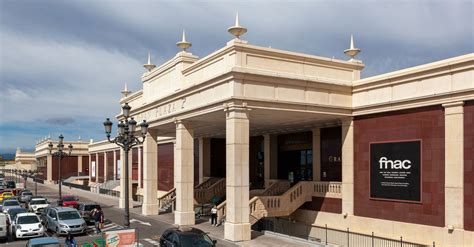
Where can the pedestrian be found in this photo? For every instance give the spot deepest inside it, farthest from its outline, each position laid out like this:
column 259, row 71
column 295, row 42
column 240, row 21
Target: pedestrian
column 70, row 241
column 98, row 217
column 214, row 215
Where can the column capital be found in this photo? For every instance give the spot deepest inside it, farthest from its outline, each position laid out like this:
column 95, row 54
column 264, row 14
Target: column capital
column 453, row 104
column 236, row 111
column 453, row 108
column 347, row 121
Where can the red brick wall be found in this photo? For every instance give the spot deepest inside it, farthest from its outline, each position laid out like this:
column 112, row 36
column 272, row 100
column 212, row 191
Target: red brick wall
column 141, row 168
column 68, row 167
column 110, row 165
column 165, row 166
column 101, row 165
column 134, row 163
column 43, row 170
column 426, row 124
column 85, row 165
column 469, row 165
column 331, row 205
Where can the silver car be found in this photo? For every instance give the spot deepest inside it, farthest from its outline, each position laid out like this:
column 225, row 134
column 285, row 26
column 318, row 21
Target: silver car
column 64, row 220
column 9, row 204
column 25, row 196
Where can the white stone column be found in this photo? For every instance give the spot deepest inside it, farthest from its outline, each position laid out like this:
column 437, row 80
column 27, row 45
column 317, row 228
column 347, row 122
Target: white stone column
column 115, row 164
column 122, row 179
column 150, row 179
column 79, row 164
column 49, row 168
column 204, row 158
column 105, row 167
column 237, row 225
column 316, row 154
column 348, row 166
column 266, row 158
column 184, row 175
column 90, row 168
column 97, row 167
column 454, row 165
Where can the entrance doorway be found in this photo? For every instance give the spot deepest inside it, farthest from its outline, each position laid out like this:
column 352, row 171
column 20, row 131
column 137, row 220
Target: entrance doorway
column 295, row 157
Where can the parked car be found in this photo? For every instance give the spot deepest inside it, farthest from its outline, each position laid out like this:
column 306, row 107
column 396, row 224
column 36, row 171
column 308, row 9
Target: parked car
column 5, row 195
column 25, row 195
column 184, row 237
column 36, row 205
column 85, row 209
column 3, row 227
column 10, row 184
column 27, row 225
column 27, row 204
column 69, row 201
column 44, row 241
column 9, row 204
column 12, row 213
column 64, row 220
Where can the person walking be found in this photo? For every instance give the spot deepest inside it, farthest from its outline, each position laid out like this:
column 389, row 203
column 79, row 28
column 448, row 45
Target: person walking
column 98, row 217
column 70, row 241
column 214, row 215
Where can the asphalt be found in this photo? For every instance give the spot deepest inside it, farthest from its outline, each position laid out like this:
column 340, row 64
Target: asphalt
column 149, row 228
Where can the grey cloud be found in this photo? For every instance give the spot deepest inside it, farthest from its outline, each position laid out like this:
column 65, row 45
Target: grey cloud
column 60, row 120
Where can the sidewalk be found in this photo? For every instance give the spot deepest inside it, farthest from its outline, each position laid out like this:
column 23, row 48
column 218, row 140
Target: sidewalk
column 258, row 238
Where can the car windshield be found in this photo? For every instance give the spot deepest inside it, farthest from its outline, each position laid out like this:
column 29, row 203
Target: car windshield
column 90, row 207
column 35, row 202
column 30, row 219
column 200, row 240
column 7, row 194
column 69, row 198
column 45, row 245
column 69, row 215
column 11, row 203
column 27, row 194
column 14, row 212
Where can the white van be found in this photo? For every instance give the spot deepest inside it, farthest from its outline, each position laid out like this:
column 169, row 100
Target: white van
column 3, row 227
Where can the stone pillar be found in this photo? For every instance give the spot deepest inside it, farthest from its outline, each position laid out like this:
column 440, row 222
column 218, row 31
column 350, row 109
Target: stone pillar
column 316, row 154
column 115, row 164
column 204, row 158
column 348, row 166
column 237, row 225
column 79, row 164
column 97, row 167
column 454, row 165
column 122, row 179
column 150, row 179
column 49, row 168
column 105, row 167
column 273, row 156
column 266, row 158
column 184, row 175
column 140, row 160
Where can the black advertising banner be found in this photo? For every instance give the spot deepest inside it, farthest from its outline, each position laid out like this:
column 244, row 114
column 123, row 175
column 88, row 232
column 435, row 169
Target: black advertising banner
column 395, row 170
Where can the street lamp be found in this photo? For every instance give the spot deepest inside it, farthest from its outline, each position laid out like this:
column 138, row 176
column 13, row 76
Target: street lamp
column 60, row 154
column 126, row 139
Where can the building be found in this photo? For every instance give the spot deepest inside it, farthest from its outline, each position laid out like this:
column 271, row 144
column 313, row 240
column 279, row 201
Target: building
column 25, row 160
column 294, row 138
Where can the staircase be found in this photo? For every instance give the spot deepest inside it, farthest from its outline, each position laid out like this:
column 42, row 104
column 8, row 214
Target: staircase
column 202, row 194
column 268, row 205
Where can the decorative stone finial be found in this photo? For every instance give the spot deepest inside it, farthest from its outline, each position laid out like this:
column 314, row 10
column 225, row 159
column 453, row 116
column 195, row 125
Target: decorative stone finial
column 352, row 51
column 183, row 44
column 237, row 30
column 125, row 92
column 149, row 66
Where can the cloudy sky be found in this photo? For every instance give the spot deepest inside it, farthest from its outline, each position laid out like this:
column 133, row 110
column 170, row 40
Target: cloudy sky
column 64, row 63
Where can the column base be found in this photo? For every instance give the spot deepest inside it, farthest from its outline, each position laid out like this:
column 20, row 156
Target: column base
column 184, row 218
column 149, row 208
column 122, row 203
column 237, row 232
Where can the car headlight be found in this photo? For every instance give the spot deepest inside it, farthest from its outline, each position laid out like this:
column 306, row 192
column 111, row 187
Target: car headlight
column 63, row 226
column 18, row 227
column 34, row 207
column 40, row 226
column 83, row 224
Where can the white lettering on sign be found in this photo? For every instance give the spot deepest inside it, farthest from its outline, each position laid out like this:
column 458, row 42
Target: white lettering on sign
column 162, row 110
column 394, row 164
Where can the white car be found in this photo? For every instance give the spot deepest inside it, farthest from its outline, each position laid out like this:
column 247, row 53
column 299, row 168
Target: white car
column 36, row 205
column 27, row 225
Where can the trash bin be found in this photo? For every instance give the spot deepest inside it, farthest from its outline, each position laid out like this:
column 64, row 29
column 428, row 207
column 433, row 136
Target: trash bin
column 87, row 245
column 100, row 242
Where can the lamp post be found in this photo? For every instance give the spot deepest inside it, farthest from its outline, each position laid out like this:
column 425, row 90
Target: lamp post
column 60, row 154
column 126, row 139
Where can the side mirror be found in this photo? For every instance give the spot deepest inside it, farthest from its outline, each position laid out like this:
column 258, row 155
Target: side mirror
column 214, row 242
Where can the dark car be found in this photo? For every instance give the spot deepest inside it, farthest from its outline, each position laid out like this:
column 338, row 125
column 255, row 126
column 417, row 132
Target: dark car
column 186, row 236
column 85, row 209
column 10, row 184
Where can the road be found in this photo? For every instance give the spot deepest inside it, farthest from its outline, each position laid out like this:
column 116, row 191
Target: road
column 148, row 229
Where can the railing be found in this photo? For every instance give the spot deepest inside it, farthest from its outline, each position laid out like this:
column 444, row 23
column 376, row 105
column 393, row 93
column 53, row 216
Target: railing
column 206, row 184
column 204, row 195
column 330, row 236
column 276, row 188
column 109, row 192
column 326, row 189
column 221, row 212
column 167, row 199
column 77, row 186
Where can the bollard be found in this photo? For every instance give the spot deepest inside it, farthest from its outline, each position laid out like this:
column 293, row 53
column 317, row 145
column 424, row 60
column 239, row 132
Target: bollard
column 348, row 237
column 372, row 239
column 326, row 226
column 401, row 241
